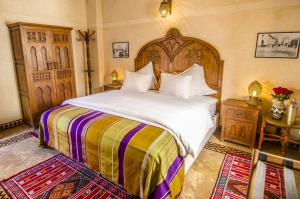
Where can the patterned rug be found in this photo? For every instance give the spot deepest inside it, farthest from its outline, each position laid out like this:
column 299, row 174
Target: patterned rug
column 59, row 177
column 211, row 146
column 274, row 182
column 234, row 177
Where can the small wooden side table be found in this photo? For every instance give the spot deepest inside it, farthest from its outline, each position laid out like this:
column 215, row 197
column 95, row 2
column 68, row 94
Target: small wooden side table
column 109, row 87
column 282, row 137
column 239, row 122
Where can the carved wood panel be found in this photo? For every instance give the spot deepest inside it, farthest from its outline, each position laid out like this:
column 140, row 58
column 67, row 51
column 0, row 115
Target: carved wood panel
column 239, row 130
column 64, row 73
column 61, row 37
column 61, row 92
column 176, row 53
column 44, row 98
column 61, row 48
column 36, row 36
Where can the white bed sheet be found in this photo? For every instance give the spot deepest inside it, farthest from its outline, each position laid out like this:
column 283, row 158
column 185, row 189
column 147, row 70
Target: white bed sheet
column 189, row 160
column 211, row 101
column 187, row 120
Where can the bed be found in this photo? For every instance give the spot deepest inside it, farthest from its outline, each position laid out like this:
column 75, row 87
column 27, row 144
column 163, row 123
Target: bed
column 144, row 142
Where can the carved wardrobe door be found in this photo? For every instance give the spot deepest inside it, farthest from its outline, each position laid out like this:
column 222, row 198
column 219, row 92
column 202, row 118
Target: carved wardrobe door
column 44, row 67
column 40, row 76
column 64, row 66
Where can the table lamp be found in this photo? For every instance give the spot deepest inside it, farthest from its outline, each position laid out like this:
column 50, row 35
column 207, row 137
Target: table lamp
column 254, row 91
column 114, row 76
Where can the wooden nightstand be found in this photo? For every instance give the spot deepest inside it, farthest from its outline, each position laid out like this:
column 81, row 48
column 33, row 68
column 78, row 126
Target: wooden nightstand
column 109, row 87
column 239, row 122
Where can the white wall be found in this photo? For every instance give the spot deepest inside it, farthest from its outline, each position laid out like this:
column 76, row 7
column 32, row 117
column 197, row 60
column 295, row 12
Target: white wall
column 70, row 13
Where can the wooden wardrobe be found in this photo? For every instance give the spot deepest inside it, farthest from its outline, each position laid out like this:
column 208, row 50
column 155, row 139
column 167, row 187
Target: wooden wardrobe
column 44, row 66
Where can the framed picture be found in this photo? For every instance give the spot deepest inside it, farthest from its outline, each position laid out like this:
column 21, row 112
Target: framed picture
column 277, row 45
column 120, row 49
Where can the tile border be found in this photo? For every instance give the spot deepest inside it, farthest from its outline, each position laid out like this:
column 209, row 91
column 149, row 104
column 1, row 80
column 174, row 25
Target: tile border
column 11, row 124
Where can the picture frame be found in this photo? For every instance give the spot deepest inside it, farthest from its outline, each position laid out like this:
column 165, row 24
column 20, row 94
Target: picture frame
column 277, row 45
column 120, row 49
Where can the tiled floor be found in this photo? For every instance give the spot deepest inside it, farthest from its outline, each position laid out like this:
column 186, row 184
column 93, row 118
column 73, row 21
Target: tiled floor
column 14, row 131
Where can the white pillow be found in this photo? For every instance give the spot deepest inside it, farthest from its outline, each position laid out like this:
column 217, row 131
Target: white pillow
column 175, row 85
column 136, row 82
column 148, row 69
column 198, row 85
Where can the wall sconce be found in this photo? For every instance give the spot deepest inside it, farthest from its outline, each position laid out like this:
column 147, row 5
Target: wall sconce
column 254, row 91
column 165, row 8
column 114, row 76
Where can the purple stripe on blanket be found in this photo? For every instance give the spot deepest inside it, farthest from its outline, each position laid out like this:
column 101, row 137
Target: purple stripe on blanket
column 123, row 144
column 73, row 132
column 163, row 189
column 45, row 122
column 79, row 133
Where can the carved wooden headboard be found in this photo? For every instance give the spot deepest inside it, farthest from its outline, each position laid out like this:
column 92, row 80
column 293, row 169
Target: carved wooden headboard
column 176, row 53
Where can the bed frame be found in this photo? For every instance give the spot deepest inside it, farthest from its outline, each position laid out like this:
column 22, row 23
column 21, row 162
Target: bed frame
column 175, row 53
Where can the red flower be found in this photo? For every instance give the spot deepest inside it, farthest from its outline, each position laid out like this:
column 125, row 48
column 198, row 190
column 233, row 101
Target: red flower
column 280, row 90
column 281, row 93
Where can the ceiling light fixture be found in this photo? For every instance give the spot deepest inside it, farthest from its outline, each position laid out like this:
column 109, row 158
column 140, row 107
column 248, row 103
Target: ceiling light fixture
column 165, row 8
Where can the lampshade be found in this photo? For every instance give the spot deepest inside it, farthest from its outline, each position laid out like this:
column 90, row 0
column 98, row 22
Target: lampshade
column 114, row 76
column 164, row 9
column 255, row 89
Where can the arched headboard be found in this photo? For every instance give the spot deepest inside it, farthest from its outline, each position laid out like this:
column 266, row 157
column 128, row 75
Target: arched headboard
column 176, row 53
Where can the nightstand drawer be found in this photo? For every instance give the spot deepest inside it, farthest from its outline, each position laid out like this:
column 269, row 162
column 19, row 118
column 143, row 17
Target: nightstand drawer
column 240, row 113
column 237, row 130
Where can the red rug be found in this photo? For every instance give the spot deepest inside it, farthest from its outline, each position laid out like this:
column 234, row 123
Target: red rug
column 234, row 177
column 60, row 177
column 274, row 182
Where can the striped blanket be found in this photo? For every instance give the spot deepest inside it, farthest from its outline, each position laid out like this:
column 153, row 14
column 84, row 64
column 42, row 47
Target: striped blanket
column 141, row 158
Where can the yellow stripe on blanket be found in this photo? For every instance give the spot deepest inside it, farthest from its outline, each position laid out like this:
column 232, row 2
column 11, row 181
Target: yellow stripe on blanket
column 94, row 135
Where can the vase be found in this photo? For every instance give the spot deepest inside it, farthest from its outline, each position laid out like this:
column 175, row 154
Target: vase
column 278, row 109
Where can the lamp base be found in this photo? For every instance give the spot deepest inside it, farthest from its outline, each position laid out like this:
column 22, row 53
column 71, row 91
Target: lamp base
column 116, row 83
column 254, row 101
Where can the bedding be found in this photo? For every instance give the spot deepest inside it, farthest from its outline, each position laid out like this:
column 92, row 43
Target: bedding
column 178, row 116
column 148, row 70
column 134, row 139
column 175, row 85
column 210, row 102
column 198, row 86
column 137, row 82
column 141, row 158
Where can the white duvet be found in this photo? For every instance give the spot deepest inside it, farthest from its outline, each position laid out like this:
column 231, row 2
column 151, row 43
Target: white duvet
column 188, row 120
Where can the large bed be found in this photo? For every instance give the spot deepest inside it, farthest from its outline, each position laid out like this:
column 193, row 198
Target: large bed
column 144, row 142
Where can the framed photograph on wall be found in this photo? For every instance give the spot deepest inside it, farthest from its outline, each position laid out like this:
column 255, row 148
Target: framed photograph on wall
column 277, row 45
column 120, row 49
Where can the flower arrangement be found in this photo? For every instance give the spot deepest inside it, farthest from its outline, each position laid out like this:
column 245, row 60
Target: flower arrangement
column 281, row 93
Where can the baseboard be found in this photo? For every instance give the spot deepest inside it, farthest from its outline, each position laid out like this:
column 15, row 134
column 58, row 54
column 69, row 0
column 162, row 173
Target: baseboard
column 11, row 124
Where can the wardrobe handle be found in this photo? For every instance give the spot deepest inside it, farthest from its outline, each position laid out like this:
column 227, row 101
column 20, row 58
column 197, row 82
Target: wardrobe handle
column 49, row 65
